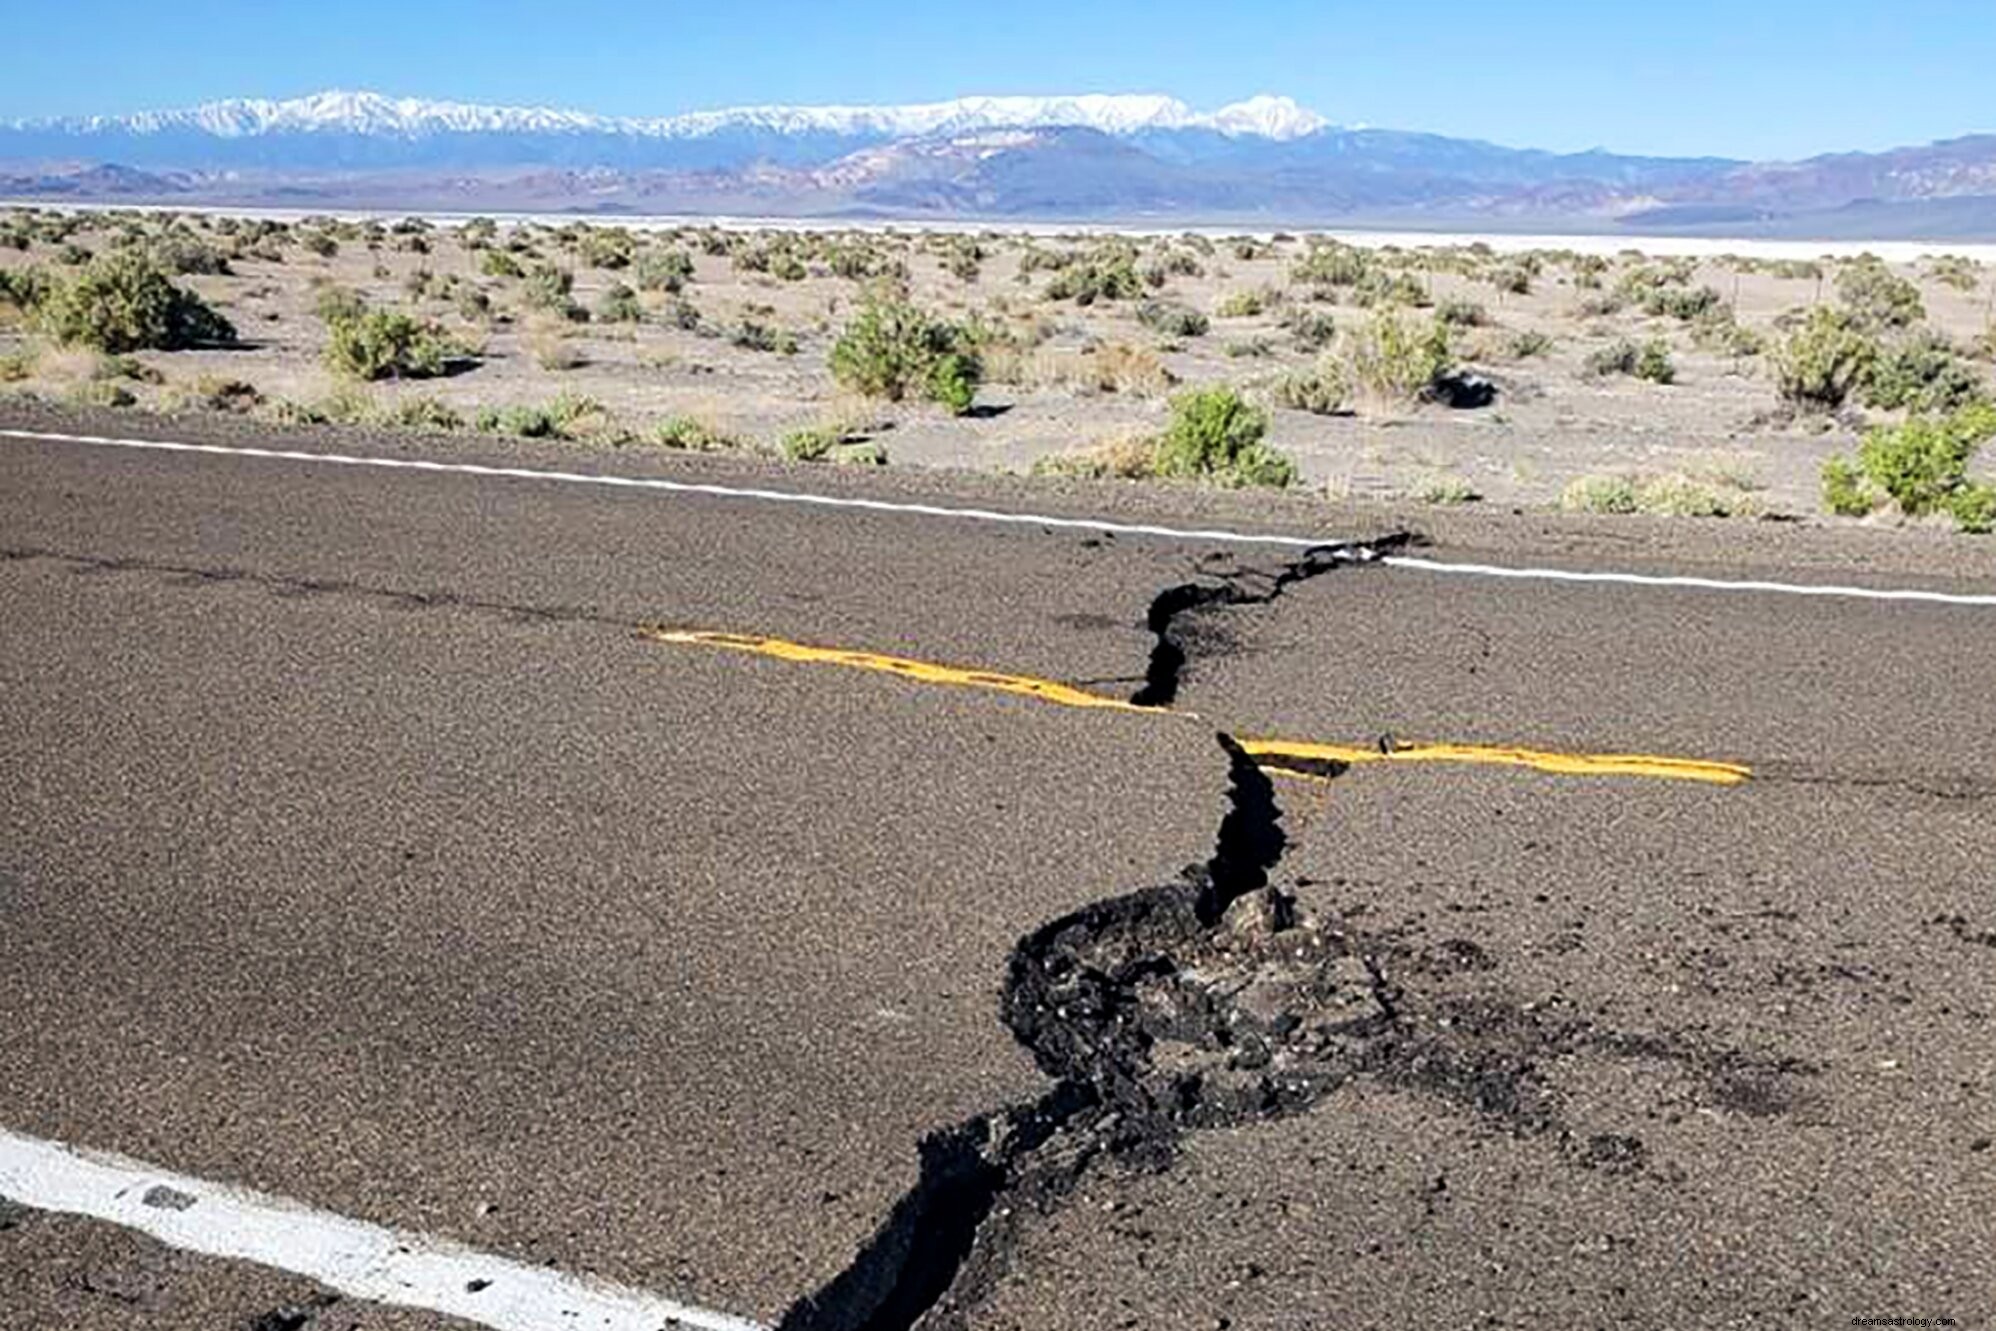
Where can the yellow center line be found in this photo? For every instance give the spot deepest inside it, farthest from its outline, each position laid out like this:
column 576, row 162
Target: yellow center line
column 925, row 672
column 1273, row 753
column 1284, row 757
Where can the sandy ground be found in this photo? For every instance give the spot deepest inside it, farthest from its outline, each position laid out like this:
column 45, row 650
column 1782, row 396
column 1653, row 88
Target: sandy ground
column 1552, row 420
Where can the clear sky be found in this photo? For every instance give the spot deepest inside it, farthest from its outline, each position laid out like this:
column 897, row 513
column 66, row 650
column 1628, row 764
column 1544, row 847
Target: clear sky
column 1750, row 78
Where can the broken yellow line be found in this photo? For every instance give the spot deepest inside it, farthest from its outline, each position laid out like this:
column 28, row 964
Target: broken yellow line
column 1273, row 753
column 1288, row 757
column 926, row 672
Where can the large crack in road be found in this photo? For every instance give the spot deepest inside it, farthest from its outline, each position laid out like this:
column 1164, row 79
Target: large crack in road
column 1174, row 618
column 1214, row 1001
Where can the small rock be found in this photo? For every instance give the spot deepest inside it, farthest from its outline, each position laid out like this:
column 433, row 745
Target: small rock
column 166, row 1199
column 1258, row 916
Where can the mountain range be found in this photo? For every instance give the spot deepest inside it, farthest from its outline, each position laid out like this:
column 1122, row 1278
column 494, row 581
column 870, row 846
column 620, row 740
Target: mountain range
column 1133, row 158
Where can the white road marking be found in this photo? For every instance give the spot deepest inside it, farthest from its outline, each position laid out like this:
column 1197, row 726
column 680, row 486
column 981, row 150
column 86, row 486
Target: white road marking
column 1702, row 584
column 360, row 1260
column 680, row 487
column 1013, row 519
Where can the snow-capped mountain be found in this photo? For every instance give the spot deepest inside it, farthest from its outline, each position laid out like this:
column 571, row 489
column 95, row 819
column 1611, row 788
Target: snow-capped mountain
column 372, row 113
column 1094, row 156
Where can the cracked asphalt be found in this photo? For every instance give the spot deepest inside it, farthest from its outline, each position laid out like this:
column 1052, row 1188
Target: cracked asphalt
column 359, row 849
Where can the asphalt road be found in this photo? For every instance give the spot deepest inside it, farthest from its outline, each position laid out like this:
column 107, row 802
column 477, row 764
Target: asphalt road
column 361, row 848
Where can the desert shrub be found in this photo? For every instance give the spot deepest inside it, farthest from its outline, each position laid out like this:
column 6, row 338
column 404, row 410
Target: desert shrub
column 424, row 413
column 1110, row 367
column 1876, row 296
column 1846, row 492
column 1669, row 495
column 211, row 392
column 605, row 247
column 1512, row 279
column 1600, row 305
column 691, row 434
column 1033, row 259
column 319, row 243
column 1823, row 360
column 498, row 263
column 335, row 302
column 1973, row 507
column 1653, row 362
column 1459, row 313
column 381, row 344
column 565, row 416
column 1313, row 330
column 1649, row 361
column 1955, row 270
column 471, row 304
column 1107, row 273
column 857, row 260
column 1172, row 320
column 125, row 367
column 1922, row 374
column 1215, row 436
column 952, row 382
column 681, row 314
column 183, row 254
column 1718, row 331
column 858, row 453
column 551, row 289
column 123, row 302
column 1393, row 361
column 1330, row 264
column 1599, row 494
column 553, row 350
column 1133, row 458
column 754, row 335
column 1685, row 303
column 24, row 288
column 1525, row 344
column 892, row 350
column 1445, row 490
column 812, row 443
column 1383, row 288
column 1246, row 304
column 1320, row 390
column 1921, row 464
column 963, row 265
column 1676, row 496
column 663, row 270
column 619, row 305
column 99, row 393
column 1618, row 357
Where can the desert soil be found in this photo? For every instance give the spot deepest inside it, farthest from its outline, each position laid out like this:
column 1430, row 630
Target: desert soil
column 1552, row 420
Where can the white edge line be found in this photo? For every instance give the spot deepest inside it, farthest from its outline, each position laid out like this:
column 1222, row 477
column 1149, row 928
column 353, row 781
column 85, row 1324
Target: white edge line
column 1015, row 519
column 680, row 487
column 1703, row 584
column 358, row 1259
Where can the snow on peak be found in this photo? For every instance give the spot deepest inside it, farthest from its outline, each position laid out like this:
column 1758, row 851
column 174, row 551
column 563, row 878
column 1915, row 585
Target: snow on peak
column 1267, row 117
column 372, row 113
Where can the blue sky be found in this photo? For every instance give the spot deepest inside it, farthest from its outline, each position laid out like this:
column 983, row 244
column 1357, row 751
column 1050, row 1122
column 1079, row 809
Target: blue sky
column 1757, row 78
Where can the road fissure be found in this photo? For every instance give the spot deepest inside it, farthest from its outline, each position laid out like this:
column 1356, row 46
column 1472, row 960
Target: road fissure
column 1215, row 1001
